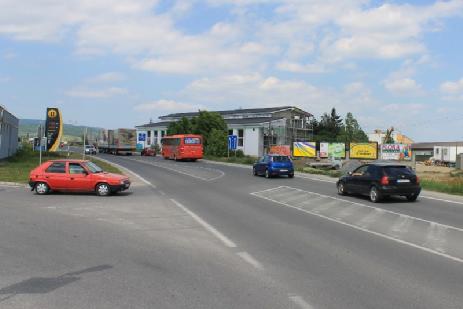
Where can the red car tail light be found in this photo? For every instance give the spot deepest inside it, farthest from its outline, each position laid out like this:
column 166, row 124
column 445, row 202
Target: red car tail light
column 384, row 181
column 417, row 180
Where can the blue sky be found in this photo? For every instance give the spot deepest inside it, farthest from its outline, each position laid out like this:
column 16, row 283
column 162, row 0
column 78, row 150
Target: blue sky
column 119, row 63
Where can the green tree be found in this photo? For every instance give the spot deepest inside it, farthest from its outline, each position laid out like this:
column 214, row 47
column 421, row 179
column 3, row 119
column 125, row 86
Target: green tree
column 330, row 126
column 216, row 143
column 183, row 126
column 352, row 130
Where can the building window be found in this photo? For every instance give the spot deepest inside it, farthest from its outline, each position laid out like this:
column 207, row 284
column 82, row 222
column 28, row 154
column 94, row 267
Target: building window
column 230, row 132
column 148, row 140
column 240, row 137
column 437, row 151
column 163, row 133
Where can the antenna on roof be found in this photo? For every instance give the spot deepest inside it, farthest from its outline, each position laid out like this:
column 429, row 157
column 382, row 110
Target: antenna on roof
column 151, row 120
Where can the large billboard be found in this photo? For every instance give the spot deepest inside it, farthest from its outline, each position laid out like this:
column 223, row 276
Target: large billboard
column 364, row 151
column 305, row 149
column 333, row 150
column 53, row 128
column 284, row 150
column 396, row 152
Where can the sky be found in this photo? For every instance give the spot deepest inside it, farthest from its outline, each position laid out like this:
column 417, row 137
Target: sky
column 120, row 63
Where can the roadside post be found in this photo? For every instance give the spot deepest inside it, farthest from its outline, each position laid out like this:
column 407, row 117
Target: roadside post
column 232, row 143
column 85, row 137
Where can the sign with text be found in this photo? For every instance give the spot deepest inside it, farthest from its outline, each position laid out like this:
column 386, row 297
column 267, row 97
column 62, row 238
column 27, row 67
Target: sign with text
column 53, row 128
column 332, row 150
column 305, row 149
column 366, row 151
column 396, row 152
column 284, row 150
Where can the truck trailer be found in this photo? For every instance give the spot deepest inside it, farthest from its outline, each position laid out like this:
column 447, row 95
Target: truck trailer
column 117, row 142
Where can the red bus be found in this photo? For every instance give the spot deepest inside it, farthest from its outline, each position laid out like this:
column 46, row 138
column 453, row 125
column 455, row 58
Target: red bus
column 182, row 147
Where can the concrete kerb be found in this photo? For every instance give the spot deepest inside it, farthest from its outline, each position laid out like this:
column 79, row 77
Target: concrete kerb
column 13, row 184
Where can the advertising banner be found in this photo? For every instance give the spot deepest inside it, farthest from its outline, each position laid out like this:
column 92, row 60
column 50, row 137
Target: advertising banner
column 332, row 150
column 284, row 150
column 305, row 149
column 396, row 152
column 53, row 128
column 366, row 151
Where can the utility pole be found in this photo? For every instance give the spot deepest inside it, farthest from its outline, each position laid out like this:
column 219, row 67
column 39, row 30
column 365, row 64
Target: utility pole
column 85, row 137
column 40, row 144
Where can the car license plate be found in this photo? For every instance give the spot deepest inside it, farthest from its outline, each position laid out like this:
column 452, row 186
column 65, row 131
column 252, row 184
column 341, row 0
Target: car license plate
column 403, row 180
column 283, row 170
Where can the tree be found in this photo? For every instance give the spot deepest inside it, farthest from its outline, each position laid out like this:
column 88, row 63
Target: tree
column 330, row 126
column 216, row 143
column 352, row 130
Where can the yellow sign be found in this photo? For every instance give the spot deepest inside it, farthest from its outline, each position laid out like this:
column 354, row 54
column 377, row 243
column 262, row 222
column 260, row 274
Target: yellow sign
column 52, row 113
column 305, row 149
column 368, row 151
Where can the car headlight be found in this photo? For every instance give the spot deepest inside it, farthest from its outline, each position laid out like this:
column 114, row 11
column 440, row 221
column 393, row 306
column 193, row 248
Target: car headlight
column 122, row 182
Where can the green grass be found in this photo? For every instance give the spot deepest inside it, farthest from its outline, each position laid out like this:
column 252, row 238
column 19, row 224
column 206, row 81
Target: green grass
column 17, row 168
column 248, row 160
column 451, row 187
column 318, row 171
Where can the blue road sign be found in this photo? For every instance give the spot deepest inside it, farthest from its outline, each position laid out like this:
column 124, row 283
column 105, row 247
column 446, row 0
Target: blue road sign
column 232, row 142
column 141, row 137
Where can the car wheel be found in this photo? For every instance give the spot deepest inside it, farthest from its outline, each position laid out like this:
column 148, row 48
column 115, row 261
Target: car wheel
column 291, row 175
column 267, row 174
column 375, row 195
column 103, row 189
column 254, row 171
column 412, row 197
column 41, row 188
column 342, row 189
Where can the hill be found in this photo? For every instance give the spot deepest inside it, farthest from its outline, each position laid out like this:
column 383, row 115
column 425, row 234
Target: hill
column 70, row 132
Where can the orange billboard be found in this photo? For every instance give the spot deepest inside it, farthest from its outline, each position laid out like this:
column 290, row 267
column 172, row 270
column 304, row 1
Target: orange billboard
column 284, row 150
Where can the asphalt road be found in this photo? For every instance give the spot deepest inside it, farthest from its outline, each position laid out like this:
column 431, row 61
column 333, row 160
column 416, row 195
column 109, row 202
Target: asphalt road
column 201, row 235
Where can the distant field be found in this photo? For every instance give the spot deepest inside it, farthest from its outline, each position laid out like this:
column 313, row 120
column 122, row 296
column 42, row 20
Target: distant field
column 29, row 126
column 17, row 168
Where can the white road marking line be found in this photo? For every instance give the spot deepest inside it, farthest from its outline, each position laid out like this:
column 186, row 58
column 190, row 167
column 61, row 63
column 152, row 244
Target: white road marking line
column 450, row 257
column 441, row 200
column 162, row 192
column 366, row 206
column 436, row 237
column 298, row 300
column 124, row 168
column 251, row 260
column 370, row 218
column 227, row 242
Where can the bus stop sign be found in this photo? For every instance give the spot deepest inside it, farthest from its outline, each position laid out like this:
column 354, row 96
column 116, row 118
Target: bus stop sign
column 232, row 142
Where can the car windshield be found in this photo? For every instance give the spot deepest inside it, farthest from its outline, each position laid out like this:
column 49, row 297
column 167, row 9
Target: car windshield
column 280, row 159
column 92, row 167
column 395, row 171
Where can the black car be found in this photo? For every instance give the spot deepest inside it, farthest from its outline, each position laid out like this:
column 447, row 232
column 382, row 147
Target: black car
column 381, row 180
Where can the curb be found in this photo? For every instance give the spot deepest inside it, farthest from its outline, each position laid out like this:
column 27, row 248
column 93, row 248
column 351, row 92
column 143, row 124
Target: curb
column 12, row 184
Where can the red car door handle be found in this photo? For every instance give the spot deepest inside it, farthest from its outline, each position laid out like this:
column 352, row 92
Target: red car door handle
column 72, row 178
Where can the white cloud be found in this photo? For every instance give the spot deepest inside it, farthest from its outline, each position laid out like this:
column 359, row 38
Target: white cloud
column 82, row 92
column 107, row 77
column 452, row 90
column 404, row 86
column 413, row 108
column 166, row 106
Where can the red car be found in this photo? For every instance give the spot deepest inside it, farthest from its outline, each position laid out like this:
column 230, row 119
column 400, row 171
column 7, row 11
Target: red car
column 75, row 176
column 148, row 152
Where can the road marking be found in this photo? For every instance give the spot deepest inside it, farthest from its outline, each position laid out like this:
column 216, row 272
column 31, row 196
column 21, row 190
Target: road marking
column 124, row 168
column 436, row 237
column 441, row 200
column 370, row 218
column 248, row 258
column 227, row 242
column 298, row 300
column 402, row 225
column 426, row 249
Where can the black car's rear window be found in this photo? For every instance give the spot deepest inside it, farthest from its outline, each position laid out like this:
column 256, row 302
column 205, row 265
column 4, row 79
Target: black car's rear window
column 280, row 159
column 395, row 171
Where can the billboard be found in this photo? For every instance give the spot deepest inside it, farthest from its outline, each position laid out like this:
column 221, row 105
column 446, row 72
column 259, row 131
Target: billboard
column 396, row 152
column 53, row 128
column 332, row 150
column 284, row 150
column 367, row 151
column 305, row 149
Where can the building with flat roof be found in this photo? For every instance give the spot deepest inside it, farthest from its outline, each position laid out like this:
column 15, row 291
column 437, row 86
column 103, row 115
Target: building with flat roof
column 256, row 128
column 439, row 151
column 9, row 126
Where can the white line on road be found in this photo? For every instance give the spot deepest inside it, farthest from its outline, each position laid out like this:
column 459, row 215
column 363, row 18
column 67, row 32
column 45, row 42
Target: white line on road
column 441, row 200
column 227, row 242
column 298, row 300
column 251, row 260
column 450, row 257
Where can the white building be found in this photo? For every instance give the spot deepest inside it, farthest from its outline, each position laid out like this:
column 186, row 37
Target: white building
column 257, row 129
column 439, row 151
column 9, row 125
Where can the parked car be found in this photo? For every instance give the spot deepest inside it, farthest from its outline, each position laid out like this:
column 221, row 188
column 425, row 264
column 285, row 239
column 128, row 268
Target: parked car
column 90, row 149
column 274, row 165
column 148, row 152
column 75, row 176
column 380, row 180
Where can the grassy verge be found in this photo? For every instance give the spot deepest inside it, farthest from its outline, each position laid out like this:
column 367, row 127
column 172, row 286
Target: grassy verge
column 248, row 160
column 451, row 187
column 319, row 171
column 17, row 168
